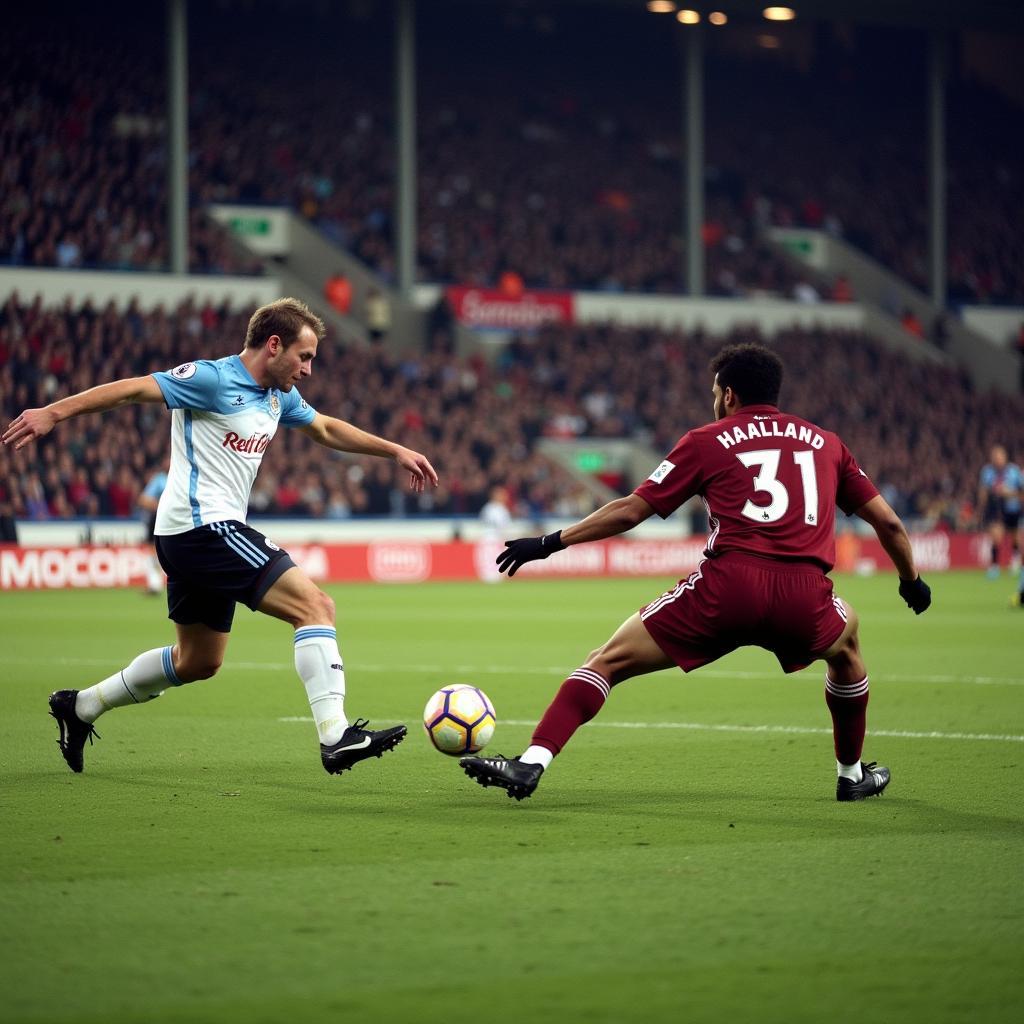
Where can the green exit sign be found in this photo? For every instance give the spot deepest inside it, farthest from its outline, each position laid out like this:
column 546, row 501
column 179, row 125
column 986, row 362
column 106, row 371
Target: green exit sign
column 250, row 225
column 591, row 462
column 800, row 246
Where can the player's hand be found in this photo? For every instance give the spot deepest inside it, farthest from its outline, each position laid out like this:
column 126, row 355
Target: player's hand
column 528, row 549
column 917, row 594
column 29, row 426
column 420, row 470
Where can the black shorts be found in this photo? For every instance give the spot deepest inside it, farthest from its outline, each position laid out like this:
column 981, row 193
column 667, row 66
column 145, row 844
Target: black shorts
column 995, row 513
column 214, row 566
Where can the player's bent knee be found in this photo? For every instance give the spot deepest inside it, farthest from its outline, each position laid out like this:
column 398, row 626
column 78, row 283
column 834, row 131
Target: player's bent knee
column 200, row 668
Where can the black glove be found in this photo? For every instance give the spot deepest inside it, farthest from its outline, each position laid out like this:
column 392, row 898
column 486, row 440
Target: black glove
column 916, row 593
column 528, row 549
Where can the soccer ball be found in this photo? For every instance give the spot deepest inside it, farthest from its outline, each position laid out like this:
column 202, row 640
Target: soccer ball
column 459, row 720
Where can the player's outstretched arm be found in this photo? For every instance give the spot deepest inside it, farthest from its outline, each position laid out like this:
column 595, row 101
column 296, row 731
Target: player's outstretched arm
column 344, row 437
column 610, row 520
column 35, row 423
column 893, row 536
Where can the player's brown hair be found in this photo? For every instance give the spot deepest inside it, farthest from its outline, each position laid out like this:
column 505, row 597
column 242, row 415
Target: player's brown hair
column 752, row 371
column 285, row 318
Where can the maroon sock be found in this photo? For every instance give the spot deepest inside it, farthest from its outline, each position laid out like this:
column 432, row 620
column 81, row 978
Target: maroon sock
column 578, row 699
column 848, row 703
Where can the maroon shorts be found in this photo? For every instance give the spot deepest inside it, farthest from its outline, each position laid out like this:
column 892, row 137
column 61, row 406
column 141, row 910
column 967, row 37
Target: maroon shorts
column 739, row 600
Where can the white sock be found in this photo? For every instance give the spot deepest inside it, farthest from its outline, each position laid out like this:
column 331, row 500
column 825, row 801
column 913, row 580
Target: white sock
column 154, row 577
column 849, row 771
column 145, row 678
column 318, row 662
column 537, row 755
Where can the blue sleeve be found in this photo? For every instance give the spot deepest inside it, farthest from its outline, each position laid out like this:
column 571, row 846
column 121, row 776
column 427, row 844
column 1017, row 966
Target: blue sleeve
column 190, row 386
column 156, row 485
column 987, row 476
column 295, row 410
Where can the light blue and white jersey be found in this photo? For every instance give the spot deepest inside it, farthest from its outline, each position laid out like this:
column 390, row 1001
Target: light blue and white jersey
column 157, row 484
column 221, row 424
column 1010, row 478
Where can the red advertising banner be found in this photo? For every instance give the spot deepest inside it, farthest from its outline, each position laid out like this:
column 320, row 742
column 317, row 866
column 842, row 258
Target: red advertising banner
column 489, row 308
column 403, row 561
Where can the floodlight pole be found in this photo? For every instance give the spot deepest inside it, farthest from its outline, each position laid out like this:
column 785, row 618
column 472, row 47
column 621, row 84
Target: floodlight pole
column 177, row 136
column 405, row 146
column 937, row 168
column 693, row 136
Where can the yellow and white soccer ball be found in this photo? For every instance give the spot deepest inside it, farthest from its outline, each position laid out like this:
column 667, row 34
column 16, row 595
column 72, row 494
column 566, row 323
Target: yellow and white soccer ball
column 459, row 720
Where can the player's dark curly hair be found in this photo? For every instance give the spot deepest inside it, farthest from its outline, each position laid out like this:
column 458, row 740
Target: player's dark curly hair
column 752, row 371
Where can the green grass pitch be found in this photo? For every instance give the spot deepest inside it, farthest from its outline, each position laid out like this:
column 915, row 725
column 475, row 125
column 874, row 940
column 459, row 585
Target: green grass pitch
column 204, row 868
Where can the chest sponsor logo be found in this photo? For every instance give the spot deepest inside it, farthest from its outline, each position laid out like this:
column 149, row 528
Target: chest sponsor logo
column 184, row 371
column 662, row 471
column 254, row 445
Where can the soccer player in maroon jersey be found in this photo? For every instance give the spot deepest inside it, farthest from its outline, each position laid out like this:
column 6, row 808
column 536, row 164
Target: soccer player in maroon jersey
column 770, row 482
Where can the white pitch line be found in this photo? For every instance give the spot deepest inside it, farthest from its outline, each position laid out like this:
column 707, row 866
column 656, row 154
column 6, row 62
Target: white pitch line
column 786, row 729
column 555, row 672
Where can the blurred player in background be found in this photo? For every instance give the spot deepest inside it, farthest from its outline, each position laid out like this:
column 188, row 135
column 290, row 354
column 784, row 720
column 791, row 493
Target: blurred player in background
column 149, row 501
column 1000, row 487
column 771, row 482
column 225, row 413
column 495, row 518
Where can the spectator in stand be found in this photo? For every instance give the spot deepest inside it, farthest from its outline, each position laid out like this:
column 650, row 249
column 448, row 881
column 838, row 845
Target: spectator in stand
column 911, row 324
column 378, row 315
column 338, row 292
column 842, row 290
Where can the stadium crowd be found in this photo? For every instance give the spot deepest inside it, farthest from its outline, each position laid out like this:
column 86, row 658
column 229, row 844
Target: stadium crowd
column 564, row 186
column 83, row 181
column 922, row 437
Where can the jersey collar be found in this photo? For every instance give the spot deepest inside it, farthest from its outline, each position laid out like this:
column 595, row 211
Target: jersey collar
column 750, row 410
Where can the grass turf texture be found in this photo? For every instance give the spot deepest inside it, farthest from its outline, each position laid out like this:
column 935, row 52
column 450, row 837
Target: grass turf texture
column 204, row 868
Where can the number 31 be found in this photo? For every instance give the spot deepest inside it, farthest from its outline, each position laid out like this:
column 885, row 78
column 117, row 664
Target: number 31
column 767, row 480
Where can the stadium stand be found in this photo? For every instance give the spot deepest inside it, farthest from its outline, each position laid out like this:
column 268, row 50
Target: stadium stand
column 563, row 186
column 83, row 177
column 921, row 436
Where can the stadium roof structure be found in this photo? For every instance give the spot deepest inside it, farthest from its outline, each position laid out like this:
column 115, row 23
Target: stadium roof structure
column 1007, row 15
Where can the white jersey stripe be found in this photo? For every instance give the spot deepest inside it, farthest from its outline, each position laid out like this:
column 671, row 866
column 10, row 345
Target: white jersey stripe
column 193, row 476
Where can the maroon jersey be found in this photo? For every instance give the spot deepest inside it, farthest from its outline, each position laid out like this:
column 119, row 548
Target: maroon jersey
column 770, row 482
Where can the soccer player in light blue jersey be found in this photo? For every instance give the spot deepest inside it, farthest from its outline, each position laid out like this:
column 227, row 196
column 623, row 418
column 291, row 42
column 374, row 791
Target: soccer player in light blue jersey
column 225, row 413
column 149, row 502
column 1000, row 490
